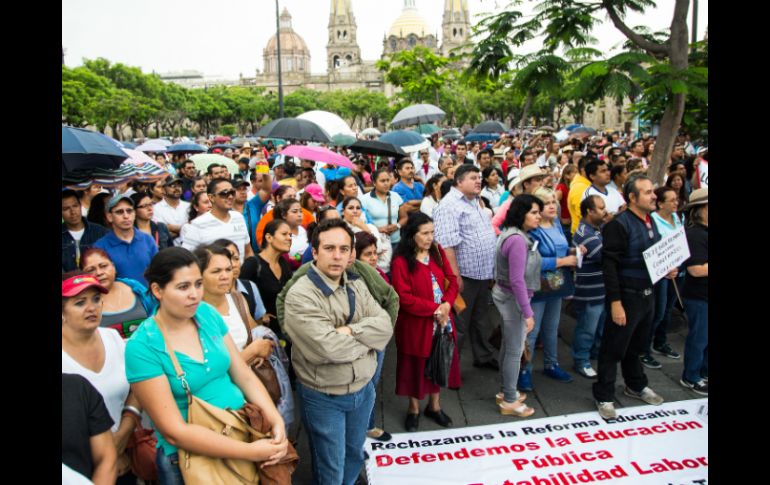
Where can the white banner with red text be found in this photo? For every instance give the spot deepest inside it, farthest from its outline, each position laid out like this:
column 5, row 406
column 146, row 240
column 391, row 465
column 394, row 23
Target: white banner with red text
column 644, row 445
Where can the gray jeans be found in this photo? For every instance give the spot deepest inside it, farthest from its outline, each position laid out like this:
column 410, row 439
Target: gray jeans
column 474, row 321
column 512, row 346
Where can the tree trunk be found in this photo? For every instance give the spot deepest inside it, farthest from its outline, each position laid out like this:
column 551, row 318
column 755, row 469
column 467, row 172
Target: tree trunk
column 525, row 112
column 672, row 116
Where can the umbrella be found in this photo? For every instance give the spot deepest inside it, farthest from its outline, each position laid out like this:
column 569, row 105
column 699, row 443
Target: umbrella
column 296, row 129
column 275, row 141
column 374, row 147
column 138, row 158
column 333, row 124
column 408, row 141
column 128, row 144
column 481, row 136
column 238, row 142
column 572, row 126
column 341, row 140
column 203, row 160
column 222, row 146
column 583, row 129
column 547, row 128
column 561, row 135
column 185, row 147
column 162, row 141
column 85, row 149
column 151, row 146
column 418, row 113
column 317, row 154
column 128, row 171
column 491, row 127
column 427, row 129
column 371, row 132
column 221, row 139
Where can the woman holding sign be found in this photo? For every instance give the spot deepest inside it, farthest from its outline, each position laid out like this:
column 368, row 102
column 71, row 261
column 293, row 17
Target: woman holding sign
column 696, row 294
column 667, row 221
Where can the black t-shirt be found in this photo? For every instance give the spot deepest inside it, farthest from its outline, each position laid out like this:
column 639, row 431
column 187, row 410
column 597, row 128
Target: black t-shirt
column 698, row 242
column 258, row 270
column 83, row 415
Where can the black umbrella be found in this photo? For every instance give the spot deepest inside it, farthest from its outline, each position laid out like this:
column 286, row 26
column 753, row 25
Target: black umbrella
column 84, row 149
column 374, row 147
column 491, row 127
column 295, row 129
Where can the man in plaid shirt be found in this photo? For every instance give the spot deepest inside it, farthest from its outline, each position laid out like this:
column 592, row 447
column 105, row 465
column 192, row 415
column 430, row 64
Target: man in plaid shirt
column 466, row 234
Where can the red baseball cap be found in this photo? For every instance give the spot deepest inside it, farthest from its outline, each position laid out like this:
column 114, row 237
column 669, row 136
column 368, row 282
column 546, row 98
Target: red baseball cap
column 77, row 284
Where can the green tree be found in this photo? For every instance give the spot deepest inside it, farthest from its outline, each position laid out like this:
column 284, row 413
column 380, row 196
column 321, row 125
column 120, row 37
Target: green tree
column 569, row 24
column 418, row 72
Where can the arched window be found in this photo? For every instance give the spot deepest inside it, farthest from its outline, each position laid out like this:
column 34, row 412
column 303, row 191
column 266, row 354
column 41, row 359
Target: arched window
column 336, row 61
column 344, row 34
column 461, row 31
column 412, row 41
column 349, row 58
column 339, row 34
column 454, row 32
column 393, row 44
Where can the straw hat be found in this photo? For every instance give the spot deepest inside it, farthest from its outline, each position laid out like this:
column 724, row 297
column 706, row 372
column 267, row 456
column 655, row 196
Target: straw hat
column 698, row 197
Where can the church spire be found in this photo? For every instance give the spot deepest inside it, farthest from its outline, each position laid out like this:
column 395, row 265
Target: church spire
column 342, row 48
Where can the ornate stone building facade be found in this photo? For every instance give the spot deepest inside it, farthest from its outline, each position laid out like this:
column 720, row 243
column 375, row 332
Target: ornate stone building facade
column 344, row 67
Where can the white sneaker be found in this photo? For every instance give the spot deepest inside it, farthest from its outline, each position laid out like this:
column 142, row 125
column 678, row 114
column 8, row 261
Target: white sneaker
column 606, row 410
column 647, row 395
column 587, row 372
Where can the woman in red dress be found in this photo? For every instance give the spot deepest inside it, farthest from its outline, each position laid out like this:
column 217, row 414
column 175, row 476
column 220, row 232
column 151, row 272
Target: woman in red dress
column 427, row 288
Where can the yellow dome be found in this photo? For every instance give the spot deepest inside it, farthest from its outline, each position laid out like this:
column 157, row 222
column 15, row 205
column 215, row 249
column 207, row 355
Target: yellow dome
column 290, row 40
column 409, row 22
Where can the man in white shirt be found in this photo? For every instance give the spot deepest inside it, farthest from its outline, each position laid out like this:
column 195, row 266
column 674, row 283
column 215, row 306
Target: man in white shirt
column 425, row 168
column 220, row 223
column 172, row 210
column 597, row 172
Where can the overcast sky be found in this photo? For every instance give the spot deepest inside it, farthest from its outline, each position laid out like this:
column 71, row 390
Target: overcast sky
column 225, row 38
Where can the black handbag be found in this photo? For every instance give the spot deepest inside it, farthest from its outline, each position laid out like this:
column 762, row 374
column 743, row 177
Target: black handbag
column 440, row 359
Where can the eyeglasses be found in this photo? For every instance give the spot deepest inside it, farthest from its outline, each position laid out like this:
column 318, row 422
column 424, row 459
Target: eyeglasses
column 144, row 206
column 226, row 193
column 120, row 212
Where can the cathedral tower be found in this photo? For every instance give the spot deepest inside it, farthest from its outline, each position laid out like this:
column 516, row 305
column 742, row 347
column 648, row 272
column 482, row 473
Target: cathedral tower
column 342, row 48
column 455, row 26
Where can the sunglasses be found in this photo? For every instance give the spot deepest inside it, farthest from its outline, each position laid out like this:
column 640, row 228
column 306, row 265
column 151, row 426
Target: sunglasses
column 120, row 212
column 226, row 193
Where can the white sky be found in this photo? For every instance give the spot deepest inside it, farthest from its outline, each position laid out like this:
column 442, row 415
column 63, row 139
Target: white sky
column 226, row 37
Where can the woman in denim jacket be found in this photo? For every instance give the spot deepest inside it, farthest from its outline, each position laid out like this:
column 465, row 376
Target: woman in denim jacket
column 555, row 253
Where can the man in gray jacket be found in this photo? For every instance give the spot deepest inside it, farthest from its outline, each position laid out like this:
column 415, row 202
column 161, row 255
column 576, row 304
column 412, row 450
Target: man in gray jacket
column 336, row 327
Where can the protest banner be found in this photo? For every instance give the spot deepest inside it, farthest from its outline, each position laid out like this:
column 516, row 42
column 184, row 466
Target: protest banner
column 666, row 254
column 644, row 445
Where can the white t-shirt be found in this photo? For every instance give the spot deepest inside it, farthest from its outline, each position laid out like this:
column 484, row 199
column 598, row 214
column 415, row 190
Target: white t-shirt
column 235, row 325
column 427, row 205
column 111, row 380
column 162, row 212
column 612, row 199
column 206, row 229
column 299, row 244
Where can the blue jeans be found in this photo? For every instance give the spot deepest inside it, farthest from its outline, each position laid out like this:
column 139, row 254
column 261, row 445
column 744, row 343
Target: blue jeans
column 168, row 468
column 547, row 313
column 375, row 381
column 664, row 304
column 586, row 338
column 696, row 345
column 336, row 428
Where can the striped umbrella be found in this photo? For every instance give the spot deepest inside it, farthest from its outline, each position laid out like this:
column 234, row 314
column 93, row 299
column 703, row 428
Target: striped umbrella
column 127, row 172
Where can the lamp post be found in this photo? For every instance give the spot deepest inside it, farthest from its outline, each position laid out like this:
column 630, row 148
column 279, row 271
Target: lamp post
column 280, row 83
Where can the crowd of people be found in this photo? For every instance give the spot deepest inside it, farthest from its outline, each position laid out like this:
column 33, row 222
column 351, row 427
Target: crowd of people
column 315, row 268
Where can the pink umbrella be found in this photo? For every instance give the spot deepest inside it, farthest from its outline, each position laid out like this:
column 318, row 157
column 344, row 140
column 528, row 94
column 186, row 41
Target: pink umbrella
column 136, row 157
column 317, row 154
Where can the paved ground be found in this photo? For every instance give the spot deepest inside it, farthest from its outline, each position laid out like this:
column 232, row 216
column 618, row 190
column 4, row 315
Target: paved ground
column 474, row 404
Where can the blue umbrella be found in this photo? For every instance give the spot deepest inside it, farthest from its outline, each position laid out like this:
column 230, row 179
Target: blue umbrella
column 408, row 141
column 491, row 126
column 186, row 148
column 572, row 126
column 128, row 144
column 481, row 136
column 84, row 149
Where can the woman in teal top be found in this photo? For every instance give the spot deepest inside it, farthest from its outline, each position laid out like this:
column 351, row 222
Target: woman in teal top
column 212, row 365
column 667, row 221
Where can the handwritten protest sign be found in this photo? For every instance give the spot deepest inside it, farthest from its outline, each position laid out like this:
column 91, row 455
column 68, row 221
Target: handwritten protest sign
column 644, row 445
column 667, row 254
